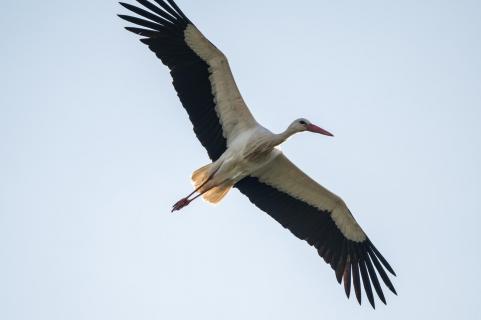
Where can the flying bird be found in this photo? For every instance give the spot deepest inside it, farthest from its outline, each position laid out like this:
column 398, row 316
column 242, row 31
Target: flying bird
column 245, row 155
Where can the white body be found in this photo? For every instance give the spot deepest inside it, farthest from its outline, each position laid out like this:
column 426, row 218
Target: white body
column 251, row 147
column 248, row 152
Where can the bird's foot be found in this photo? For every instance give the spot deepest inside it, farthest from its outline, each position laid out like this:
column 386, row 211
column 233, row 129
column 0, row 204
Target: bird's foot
column 180, row 204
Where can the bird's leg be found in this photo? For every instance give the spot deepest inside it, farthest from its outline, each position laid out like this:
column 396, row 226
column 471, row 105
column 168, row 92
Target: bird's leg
column 180, row 204
column 186, row 201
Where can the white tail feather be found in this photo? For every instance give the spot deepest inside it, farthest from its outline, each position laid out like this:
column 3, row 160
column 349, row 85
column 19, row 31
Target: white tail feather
column 200, row 175
column 216, row 194
column 213, row 194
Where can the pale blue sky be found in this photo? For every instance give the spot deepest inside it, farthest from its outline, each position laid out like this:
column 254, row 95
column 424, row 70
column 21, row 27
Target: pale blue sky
column 95, row 148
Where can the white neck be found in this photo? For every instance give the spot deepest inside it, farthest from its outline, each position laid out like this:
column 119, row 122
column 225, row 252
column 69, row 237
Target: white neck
column 283, row 136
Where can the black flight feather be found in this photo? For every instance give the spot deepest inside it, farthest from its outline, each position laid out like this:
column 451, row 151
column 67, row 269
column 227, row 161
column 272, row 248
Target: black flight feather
column 158, row 11
column 382, row 273
column 375, row 280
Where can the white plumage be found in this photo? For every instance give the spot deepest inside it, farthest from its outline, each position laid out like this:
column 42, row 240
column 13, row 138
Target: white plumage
column 245, row 155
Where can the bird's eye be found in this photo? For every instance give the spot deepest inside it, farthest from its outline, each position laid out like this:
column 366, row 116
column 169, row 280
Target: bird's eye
column 302, row 122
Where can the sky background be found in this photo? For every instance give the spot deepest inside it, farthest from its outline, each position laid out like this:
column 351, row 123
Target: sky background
column 95, row 148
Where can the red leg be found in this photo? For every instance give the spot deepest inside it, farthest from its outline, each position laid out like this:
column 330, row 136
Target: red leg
column 180, row 204
column 186, row 201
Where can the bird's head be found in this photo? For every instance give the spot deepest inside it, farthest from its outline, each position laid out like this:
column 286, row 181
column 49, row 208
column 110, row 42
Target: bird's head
column 302, row 124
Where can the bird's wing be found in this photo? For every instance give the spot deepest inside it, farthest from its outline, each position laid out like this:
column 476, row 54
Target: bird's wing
column 201, row 73
column 315, row 214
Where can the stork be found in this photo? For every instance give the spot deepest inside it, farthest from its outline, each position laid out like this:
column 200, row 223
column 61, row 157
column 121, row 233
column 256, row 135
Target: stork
column 244, row 154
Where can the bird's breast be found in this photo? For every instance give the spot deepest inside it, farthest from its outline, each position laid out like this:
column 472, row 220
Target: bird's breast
column 246, row 154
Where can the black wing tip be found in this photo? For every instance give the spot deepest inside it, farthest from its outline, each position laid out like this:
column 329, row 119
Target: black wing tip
column 361, row 268
column 339, row 278
column 128, row 6
column 178, row 10
column 366, row 281
column 347, row 280
column 169, row 7
column 381, row 271
column 373, row 254
column 391, row 270
column 359, row 300
column 374, row 279
column 381, row 258
column 142, row 32
column 131, row 29
column 125, row 17
column 357, row 282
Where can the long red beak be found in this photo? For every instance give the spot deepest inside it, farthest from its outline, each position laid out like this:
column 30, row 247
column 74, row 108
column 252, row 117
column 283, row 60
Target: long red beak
column 316, row 129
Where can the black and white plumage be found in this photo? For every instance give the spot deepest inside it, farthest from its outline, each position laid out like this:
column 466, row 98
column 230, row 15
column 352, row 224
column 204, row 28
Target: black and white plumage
column 244, row 153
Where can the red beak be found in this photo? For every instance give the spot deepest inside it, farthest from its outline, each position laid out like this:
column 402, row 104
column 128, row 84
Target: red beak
column 316, row 129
